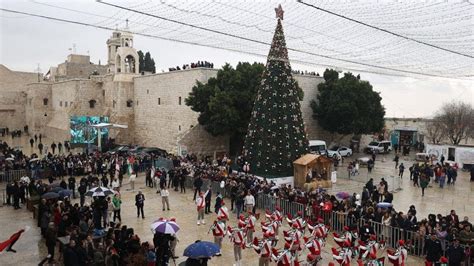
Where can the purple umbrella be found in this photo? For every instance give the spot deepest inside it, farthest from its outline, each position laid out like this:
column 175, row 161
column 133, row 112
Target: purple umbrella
column 165, row 227
column 343, row 195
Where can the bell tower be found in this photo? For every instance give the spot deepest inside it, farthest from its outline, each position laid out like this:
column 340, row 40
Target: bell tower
column 122, row 57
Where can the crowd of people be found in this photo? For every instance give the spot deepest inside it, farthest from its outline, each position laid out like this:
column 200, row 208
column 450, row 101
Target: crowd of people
column 84, row 223
column 204, row 64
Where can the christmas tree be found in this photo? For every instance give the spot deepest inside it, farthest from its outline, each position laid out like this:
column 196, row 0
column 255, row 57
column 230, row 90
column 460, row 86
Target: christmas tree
column 276, row 136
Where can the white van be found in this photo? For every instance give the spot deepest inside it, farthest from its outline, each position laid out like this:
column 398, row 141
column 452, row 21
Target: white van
column 317, row 147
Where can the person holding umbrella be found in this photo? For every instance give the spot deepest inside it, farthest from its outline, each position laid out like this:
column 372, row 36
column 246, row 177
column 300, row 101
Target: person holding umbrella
column 140, row 202
column 199, row 253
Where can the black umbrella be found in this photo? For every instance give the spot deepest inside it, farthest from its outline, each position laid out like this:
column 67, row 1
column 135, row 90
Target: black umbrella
column 56, row 189
column 50, row 195
column 99, row 192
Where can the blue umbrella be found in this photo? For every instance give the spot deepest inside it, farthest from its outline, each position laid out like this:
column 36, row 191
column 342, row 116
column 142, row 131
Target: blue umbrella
column 65, row 193
column 201, row 249
column 384, row 205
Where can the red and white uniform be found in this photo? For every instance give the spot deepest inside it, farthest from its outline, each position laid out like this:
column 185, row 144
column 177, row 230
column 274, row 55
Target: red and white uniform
column 284, row 258
column 398, row 257
column 341, row 239
column 315, row 245
column 218, row 229
column 264, row 248
column 201, row 202
column 366, row 249
column 343, row 256
column 294, row 237
column 237, row 236
column 250, row 222
column 223, row 213
column 319, row 231
column 298, row 220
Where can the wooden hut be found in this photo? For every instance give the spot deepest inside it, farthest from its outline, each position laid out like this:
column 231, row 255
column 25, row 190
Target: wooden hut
column 313, row 169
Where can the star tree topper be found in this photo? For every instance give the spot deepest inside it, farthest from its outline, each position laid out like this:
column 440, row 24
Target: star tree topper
column 279, row 12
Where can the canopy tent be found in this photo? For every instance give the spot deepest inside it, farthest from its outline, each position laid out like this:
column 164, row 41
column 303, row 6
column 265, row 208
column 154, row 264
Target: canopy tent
column 102, row 125
column 313, row 166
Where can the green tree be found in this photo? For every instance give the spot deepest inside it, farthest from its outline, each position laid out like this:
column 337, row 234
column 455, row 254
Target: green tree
column 149, row 63
column 146, row 62
column 141, row 61
column 348, row 105
column 276, row 136
column 225, row 102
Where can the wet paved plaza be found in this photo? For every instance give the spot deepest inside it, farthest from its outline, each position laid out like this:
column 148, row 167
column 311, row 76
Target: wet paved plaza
column 31, row 248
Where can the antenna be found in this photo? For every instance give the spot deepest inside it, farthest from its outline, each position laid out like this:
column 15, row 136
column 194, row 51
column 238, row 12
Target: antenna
column 74, row 48
column 126, row 23
column 38, row 70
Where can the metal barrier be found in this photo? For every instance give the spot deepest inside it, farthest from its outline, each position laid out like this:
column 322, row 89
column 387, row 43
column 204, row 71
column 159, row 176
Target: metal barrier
column 267, row 202
column 13, row 175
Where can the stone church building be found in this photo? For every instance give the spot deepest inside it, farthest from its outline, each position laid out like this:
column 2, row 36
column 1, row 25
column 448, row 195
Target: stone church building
column 151, row 105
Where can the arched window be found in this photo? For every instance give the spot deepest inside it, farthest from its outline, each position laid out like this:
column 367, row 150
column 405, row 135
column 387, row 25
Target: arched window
column 45, row 101
column 129, row 64
column 92, row 103
column 118, row 61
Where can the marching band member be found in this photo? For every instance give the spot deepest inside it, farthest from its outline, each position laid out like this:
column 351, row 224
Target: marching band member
column 314, row 245
column 264, row 248
column 250, row 227
column 223, row 212
column 343, row 256
column 297, row 220
column 219, row 231
column 371, row 247
column 399, row 256
column 201, row 205
column 373, row 261
column 284, row 257
column 237, row 237
column 294, row 237
column 341, row 239
column 312, row 259
column 320, row 230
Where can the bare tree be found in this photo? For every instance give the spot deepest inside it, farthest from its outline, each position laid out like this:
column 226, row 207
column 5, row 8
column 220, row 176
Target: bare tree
column 457, row 121
column 434, row 131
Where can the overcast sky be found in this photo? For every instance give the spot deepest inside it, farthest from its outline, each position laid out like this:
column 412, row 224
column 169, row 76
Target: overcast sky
column 27, row 41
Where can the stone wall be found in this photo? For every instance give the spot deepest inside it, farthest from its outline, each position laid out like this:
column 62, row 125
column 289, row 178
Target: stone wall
column 309, row 85
column 161, row 118
column 198, row 141
column 38, row 111
column 12, row 110
column 69, row 70
column 13, row 87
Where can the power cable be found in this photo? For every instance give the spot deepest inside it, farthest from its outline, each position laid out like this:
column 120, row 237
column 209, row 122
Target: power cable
column 384, row 30
column 266, row 43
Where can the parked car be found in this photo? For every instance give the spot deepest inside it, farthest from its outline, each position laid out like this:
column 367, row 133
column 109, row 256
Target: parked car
column 379, row 147
column 341, row 150
column 317, row 147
